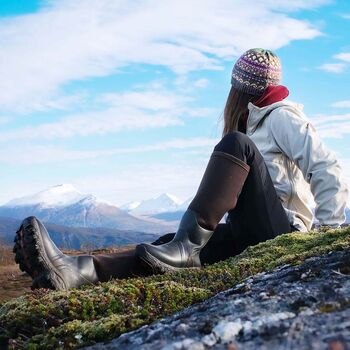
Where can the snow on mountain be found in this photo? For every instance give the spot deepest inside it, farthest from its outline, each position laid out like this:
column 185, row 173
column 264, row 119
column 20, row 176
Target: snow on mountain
column 56, row 196
column 130, row 206
column 163, row 203
column 65, row 205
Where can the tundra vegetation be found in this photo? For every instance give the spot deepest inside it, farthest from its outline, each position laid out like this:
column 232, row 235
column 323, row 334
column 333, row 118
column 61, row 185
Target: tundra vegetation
column 46, row 319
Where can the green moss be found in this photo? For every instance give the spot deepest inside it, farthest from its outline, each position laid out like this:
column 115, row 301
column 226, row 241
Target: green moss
column 56, row 319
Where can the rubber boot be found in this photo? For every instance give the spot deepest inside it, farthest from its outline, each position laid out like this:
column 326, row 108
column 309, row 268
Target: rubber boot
column 218, row 193
column 38, row 255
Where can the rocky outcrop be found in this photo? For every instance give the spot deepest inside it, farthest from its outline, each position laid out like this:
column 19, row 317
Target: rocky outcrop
column 293, row 307
column 263, row 308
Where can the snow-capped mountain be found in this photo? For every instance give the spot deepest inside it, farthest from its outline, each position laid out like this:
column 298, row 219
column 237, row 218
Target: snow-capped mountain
column 130, row 206
column 64, row 205
column 163, row 203
column 55, row 196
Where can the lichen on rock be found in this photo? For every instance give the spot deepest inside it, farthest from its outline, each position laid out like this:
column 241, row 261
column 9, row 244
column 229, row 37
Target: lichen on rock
column 45, row 319
column 302, row 307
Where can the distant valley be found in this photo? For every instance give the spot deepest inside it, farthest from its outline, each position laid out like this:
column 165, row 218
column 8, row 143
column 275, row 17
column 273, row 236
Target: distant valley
column 78, row 237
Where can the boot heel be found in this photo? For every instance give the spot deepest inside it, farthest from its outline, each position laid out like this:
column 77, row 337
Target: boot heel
column 195, row 262
column 42, row 281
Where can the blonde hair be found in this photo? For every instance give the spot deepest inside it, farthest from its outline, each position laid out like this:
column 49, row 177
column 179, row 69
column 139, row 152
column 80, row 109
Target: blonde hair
column 236, row 107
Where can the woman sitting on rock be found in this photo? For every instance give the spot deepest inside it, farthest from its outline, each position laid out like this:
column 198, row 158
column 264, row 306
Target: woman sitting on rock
column 260, row 173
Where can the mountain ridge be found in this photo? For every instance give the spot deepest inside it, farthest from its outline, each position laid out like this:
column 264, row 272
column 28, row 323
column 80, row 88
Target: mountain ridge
column 65, row 205
column 165, row 202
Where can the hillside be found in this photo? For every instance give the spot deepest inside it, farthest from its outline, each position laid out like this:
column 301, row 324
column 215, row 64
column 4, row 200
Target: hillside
column 14, row 282
column 53, row 319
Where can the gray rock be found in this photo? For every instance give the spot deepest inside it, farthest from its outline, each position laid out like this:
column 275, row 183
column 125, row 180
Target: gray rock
column 294, row 307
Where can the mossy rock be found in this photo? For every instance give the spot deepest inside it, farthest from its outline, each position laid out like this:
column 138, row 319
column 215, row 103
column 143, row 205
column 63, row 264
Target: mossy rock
column 45, row 319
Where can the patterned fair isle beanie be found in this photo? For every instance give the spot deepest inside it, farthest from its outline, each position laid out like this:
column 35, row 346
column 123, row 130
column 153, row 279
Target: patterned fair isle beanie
column 255, row 70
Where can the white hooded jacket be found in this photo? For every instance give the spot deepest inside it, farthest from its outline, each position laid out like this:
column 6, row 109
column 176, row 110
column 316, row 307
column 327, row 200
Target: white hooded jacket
column 299, row 163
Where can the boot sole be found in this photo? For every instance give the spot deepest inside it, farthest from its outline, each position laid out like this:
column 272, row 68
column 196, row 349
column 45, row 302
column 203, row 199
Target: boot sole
column 156, row 265
column 32, row 258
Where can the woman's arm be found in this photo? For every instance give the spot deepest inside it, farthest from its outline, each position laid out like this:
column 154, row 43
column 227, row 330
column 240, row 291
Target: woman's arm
column 298, row 139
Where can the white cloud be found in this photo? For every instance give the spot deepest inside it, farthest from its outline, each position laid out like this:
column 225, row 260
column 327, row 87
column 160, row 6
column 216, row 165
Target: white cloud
column 60, row 103
column 296, row 4
column 136, row 109
column 345, row 56
column 43, row 154
column 122, row 183
column 73, row 40
column 332, row 126
column 149, row 99
column 201, row 83
column 333, row 67
column 341, row 104
column 338, row 67
column 111, row 120
column 126, row 185
column 188, row 86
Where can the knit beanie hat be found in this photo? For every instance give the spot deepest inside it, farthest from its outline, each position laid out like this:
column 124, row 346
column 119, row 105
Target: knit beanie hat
column 255, row 70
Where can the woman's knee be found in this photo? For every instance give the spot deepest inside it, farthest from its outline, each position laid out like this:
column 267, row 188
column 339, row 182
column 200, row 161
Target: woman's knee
column 233, row 143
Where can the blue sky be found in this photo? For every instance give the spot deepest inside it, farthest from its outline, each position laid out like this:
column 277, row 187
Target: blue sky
column 123, row 99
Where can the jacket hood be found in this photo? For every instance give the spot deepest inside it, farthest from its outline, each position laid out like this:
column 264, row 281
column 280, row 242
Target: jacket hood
column 257, row 113
column 272, row 94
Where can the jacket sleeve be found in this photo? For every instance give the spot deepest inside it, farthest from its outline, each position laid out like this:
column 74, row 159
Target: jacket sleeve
column 298, row 139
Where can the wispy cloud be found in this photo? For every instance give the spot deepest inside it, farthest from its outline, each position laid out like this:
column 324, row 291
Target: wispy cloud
column 296, row 4
column 333, row 67
column 43, row 154
column 201, row 83
column 332, row 126
column 155, row 108
column 341, row 104
column 126, row 184
column 337, row 67
column 108, row 121
column 154, row 100
column 72, row 40
column 344, row 56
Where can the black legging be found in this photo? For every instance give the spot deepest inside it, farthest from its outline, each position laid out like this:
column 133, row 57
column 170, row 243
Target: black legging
column 258, row 216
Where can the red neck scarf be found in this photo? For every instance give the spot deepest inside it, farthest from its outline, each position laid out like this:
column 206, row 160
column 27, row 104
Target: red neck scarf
column 272, row 94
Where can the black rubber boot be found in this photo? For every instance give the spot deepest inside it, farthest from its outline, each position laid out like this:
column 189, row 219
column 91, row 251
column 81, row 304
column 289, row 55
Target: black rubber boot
column 38, row 255
column 182, row 251
column 218, row 192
